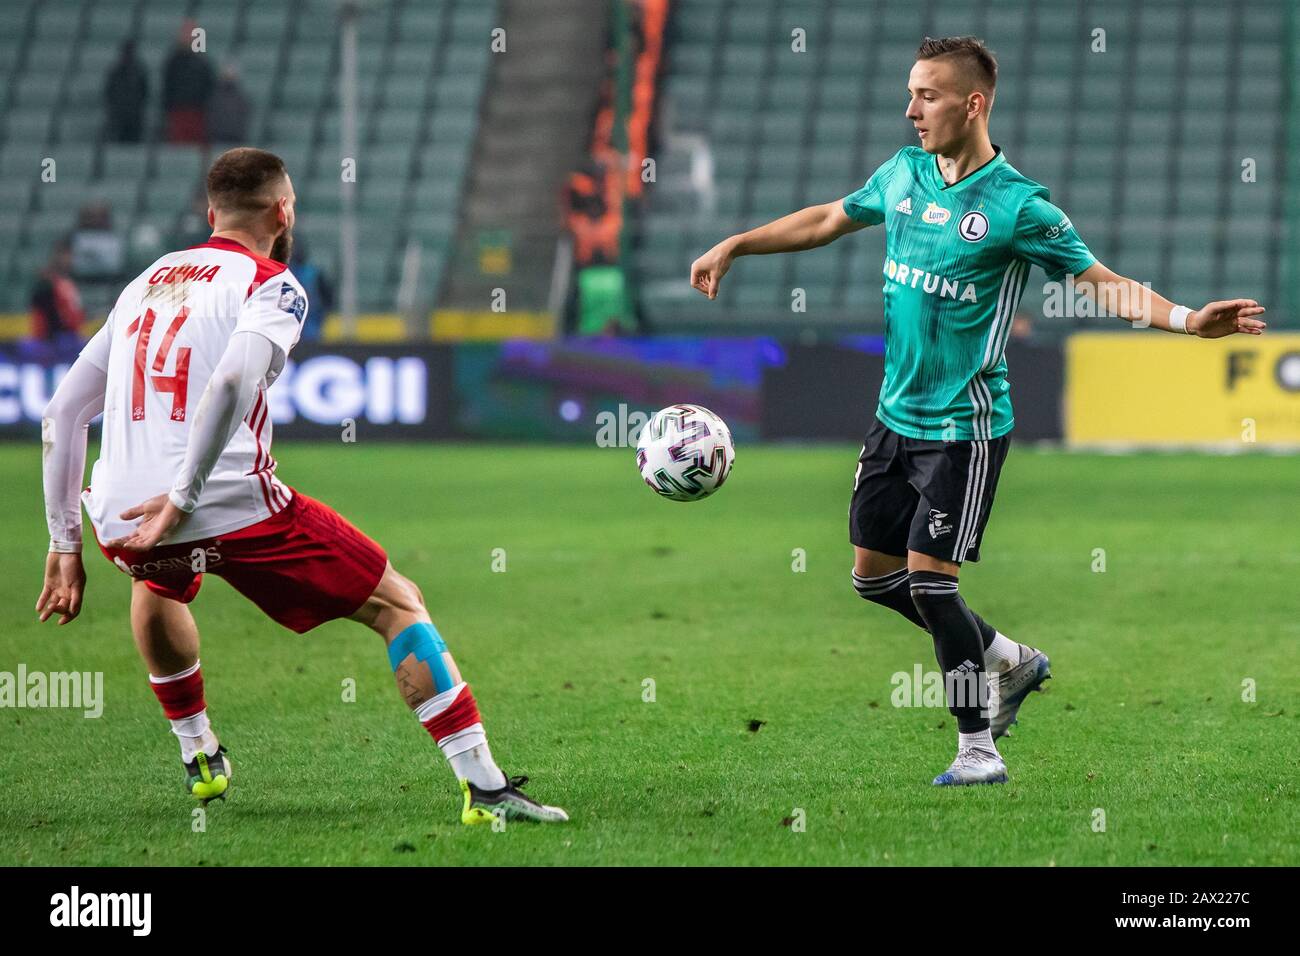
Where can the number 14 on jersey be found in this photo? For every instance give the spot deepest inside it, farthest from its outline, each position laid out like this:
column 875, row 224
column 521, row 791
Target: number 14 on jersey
column 177, row 383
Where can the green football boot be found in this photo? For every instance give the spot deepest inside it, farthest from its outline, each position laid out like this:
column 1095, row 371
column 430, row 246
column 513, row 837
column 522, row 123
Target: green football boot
column 508, row 803
column 208, row 778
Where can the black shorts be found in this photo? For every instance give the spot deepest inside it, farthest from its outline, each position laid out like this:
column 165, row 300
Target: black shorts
column 928, row 496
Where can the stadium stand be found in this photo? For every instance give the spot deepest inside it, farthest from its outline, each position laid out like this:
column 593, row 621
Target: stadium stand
column 422, row 69
column 465, row 154
column 1151, row 174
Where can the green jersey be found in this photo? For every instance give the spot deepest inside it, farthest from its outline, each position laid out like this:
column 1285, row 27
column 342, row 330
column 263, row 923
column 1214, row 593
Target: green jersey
column 956, row 261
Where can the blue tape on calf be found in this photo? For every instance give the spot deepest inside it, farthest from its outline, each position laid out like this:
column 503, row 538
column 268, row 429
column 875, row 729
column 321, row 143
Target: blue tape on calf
column 424, row 641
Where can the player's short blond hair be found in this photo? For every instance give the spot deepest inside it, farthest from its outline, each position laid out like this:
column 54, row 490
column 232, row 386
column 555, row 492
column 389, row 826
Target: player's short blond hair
column 971, row 55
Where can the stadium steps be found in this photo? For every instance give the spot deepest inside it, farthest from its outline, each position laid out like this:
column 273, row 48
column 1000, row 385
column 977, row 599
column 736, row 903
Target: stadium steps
column 533, row 132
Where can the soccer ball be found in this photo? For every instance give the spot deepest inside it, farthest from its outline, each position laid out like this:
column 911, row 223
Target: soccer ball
column 685, row 452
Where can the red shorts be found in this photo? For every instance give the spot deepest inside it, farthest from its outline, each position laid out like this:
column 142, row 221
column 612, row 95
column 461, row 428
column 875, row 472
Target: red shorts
column 303, row 566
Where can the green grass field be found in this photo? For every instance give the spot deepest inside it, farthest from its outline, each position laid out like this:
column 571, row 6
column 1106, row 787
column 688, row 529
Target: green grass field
column 606, row 586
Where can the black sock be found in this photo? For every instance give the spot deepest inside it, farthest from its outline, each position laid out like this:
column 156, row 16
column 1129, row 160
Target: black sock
column 891, row 591
column 957, row 645
column 894, row 592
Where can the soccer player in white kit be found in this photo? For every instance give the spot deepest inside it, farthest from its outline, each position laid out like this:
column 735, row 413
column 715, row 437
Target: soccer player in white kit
column 186, row 484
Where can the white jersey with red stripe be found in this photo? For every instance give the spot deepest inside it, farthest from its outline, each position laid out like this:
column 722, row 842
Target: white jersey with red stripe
column 159, row 346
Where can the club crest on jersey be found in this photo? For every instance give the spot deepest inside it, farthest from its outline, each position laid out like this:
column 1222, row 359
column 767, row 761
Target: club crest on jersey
column 973, row 227
column 935, row 214
column 905, row 207
column 292, row 302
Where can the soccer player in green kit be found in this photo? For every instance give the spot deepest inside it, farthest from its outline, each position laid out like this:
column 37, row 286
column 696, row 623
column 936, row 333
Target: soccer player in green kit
column 963, row 229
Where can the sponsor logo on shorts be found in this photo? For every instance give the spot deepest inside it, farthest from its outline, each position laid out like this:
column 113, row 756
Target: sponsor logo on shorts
column 938, row 527
column 181, row 562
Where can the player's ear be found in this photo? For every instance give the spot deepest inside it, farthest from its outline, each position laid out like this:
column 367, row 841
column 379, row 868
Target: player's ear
column 212, row 218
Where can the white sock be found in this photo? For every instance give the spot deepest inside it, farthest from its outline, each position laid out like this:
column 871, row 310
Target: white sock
column 983, row 740
column 168, row 678
column 195, row 734
column 474, row 764
column 466, row 750
column 1002, row 654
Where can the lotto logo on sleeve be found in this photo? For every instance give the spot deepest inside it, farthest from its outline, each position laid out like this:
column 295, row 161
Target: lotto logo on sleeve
column 292, row 302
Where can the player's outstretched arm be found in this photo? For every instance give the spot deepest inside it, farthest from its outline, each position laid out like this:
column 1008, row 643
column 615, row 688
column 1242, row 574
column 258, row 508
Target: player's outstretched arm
column 1135, row 302
column 64, row 426
column 808, row 228
column 226, row 400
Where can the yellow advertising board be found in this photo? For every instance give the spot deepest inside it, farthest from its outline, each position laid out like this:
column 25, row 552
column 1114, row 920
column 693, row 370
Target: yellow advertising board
column 1145, row 387
column 452, row 325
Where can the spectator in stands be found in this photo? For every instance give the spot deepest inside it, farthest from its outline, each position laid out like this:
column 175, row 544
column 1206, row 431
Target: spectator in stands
column 229, row 109
column 591, row 219
column 187, row 90
column 125, row 92
column 585, row 189
column 56, row 309
column 98, row 251
column 319, row 289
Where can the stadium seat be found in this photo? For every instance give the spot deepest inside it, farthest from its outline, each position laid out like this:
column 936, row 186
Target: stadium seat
column 324, row 195
column 302, row 90
column 289, row 126
column 219, row 21
column 27, row 124
column 421, row 23
column 400, row 125
column 266, row 20
column 15, row 195
column 465, row 58
column 125, row 162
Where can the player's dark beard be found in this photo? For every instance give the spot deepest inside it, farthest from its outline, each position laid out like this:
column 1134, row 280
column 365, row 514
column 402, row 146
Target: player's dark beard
column 282, row 247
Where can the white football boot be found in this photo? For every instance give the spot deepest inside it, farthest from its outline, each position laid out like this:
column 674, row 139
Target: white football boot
column 973, row 765
column 1009, row 688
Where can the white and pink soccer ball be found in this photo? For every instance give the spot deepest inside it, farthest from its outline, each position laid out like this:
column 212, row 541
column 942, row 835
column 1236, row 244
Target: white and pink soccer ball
column 685, row 452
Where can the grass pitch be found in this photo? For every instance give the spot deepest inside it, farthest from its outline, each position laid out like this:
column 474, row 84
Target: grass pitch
column 771, row 737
